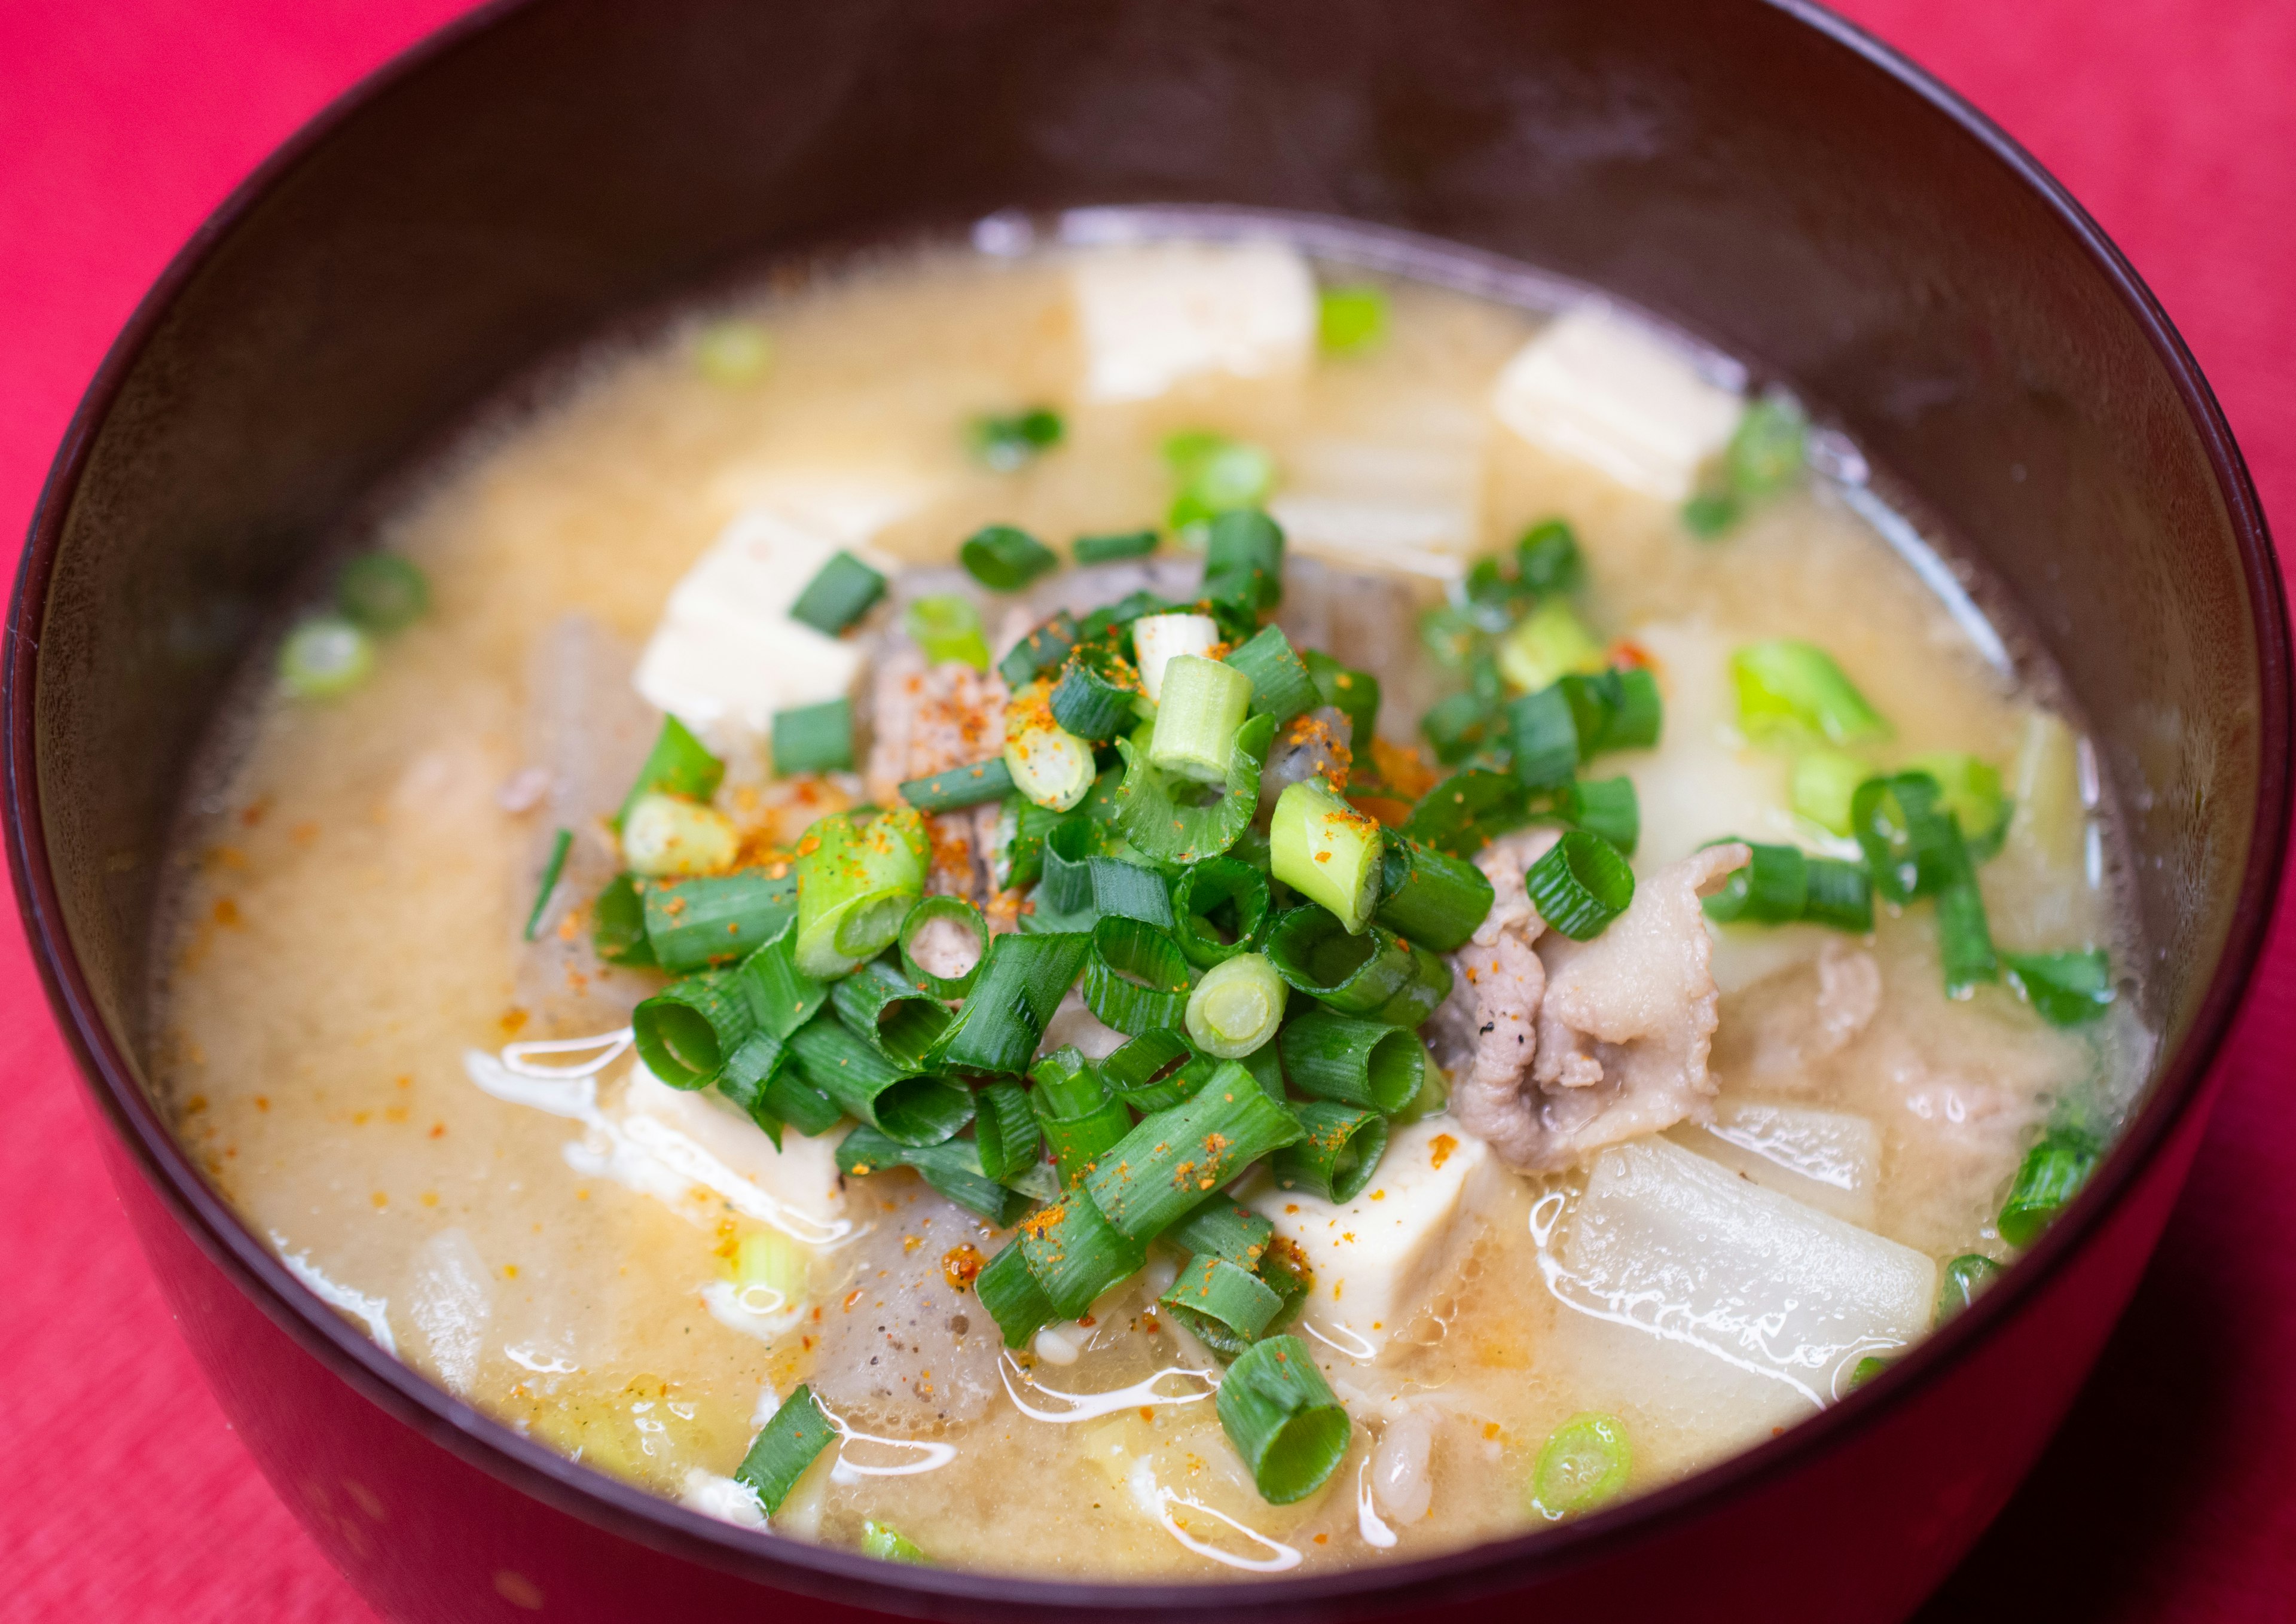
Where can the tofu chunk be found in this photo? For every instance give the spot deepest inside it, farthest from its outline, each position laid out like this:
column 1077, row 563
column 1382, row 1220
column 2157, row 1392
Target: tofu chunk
column 1159, row 315
column 1378, row 1257
column 1828, row 1160
column 1596, row 388
column 1725, row 1306
column 1389, row 482
column 711, row 1141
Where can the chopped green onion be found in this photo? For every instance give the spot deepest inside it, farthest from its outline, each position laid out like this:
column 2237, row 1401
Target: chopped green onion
column 1632, row 711
column 1157, row 639
column 668, row 836
column 784, row 1447
column 890, row 1545
column 1155, row 1070
column 1450, row 635
column 1434, row 1095
column 551, row 867
column 1167, row 1164
column 2051, row 1175
column 1279, row 1413
column 1339, row 1149
column 932, row 910
column 1244, row 560
column 1350, row 321
column 1215, row 474
column 783, row 996
column 1078, row 1117
column 1005, row 558
column 1004, row 1130
column 1792, row 693
column 1840, row 896
column 325, row 657
column 952, row 1167
column 1129, row 891
column 1867, row 1369
column 1067, row 885
column 791, row 1099
column 679, row 764
column 1458, row 725
column 892, row 1098
column 1041, row 651
column 1281, row 687
column 1581, row 885
column 1911, row 845
column 813, row 738
column 947, row 628
column 1020, row 982
column 1011, row 1294
column 1549, row 644
column 1547, row 557
column 1971, row 789
column 716, row 918
column 731, row 353
column 1771, row 888
column 1377, row 975
column 1203, row 704
column 1432, row 897
column 1076, row 1254
column 382, row 592
column 1113, row 620
column 1607, row 806
column 1963, row 1278
column 1543, row 730
column 1583, row 1463
column 1468, row 810
column 1006, row 442
column 1964, row 936
column 856, row 884
column 1236, row 1007
column 1136, row 977
column 617, row 929
column 686, row 1032
column 1167, row 832
column 1327, row 851
column 1093, row 698
column 1215, row 1289
column 1354, row 694
column 747, row 1078
column 1710, row 512
column 1016, row 853
column 1220, row 1228
column 2067, row 989
column 1108, row 549
column 1353, row 1061
column 1049, row 765
column 1767, row 448
column 960, row 786
column 897, row 1016
column 840, row 593
column 1218, row 906
column 1824, row 785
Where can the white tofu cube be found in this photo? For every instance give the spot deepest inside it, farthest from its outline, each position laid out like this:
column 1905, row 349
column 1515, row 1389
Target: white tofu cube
column 1599, row 389
column 708, row 1141
column 1378, row 1257
column 1728, row 1306
column 1828, row 1160
column 1158, row 316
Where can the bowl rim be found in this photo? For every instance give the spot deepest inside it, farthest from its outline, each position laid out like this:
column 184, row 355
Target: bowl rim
column 665, row 1526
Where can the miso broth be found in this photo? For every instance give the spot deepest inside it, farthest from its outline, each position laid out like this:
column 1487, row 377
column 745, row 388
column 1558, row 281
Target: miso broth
column 1736, row 1167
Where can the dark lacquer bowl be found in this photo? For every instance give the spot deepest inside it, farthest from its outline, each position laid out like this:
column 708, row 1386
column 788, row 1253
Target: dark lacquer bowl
column 1759, row 174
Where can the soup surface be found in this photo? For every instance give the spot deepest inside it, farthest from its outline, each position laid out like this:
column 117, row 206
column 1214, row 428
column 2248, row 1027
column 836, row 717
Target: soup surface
column 1726, row 1170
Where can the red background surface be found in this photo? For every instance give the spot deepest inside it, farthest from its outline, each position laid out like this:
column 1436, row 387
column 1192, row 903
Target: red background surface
column 2171, row 1494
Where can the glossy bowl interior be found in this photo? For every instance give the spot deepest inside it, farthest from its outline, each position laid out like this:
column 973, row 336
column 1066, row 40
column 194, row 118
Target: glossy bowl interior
column 1756, row 173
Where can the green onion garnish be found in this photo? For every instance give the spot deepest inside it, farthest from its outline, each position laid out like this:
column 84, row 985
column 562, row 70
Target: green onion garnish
column 1792, row 693
column 900, row 1017
column 382, row 592
column 783, row 996
column 1279, row 1413
column 1840, row 896
column 1011, row 1294
column 1458, row 725
column 856, row 884
column 1129, row 891
column 617, row 929
column 1281, row 687
column 1327, row 851
column 1049, row 765
column 1971, row 789
column 1607, row 806
column 1215, row 1289
column 732, row 353
column 1432, row 897
column 669, row 836
column 551, row 867
column 679, row 764
column 1109, row 548
column 1450, row 635
column 1963, row 1278
column 1911, row 845
column 890, row 1545
column 955, row 910
column 1549, row 644
column 1218, row 905
column 947, row 628
column 1004, row 1130
column 1467, row 811
column 1136, row 978
column 1543, row 731
column 788, row 1097
column 1154, row 1071
column 1166, row 831
column 1041, row 651
column 1377, row 975
column 1093, row 698
column 1067, row 885
column 1220, row 1228
column 1076, row 1254
column 1236, row 1007
column 1583, row 1463
column 1167, row 1164
column 1079, row 1116
column 748, row 1078
column 2051, row 1175
column 961, row 786
column 1353, row 1061
column 1338, row 1151
column 685, row 1032
column 1010, row 441
column 1581, row 885
column 1020, row 982
column 1244, row 560
column 784, row 1447
column 889, row 1095
column 2067, row 989
column 1824, row 783
column 325, row 657
column 952, row 1167
column 1867, row 1369
column 840, row 593
column 1350, row 321
column 1214, row 474
column 1771, row 888
column 1016, row 852
column 1354, row 694
column 1767, row 448
column 1005, row 558
column 1547, row 558
column 1964, row 936
column 813, row 738
column 1202, row 705
column 716, row 918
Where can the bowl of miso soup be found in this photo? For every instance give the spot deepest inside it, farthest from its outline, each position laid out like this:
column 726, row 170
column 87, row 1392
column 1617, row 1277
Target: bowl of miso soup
column 1148, row 809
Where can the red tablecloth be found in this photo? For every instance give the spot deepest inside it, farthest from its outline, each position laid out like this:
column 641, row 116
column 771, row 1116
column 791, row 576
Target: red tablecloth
column 2171, row 1494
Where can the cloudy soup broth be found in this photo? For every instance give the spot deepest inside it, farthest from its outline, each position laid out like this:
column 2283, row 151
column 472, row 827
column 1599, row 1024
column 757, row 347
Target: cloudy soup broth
column 1154, row 909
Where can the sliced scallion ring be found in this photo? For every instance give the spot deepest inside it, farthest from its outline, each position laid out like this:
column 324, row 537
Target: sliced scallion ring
column 382, row 592
column 1584, row 1461
column 1220, row 907
column 1581, row 885
column 1011, row 1294
column 1338, row 1152
column 325, row 657
column 1136, row 978
column 944, row 912
column 1281, row 1415
column 1236, row 1007
column 1005, row 558
column 784, row 1447
column 960, row 786
column 1355, row 1061
column 1166, row 1166
column 1004, row 1130
column 1092, row 699
column 1230, row 1293
column 902, row 1018
column 1076, row 1254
